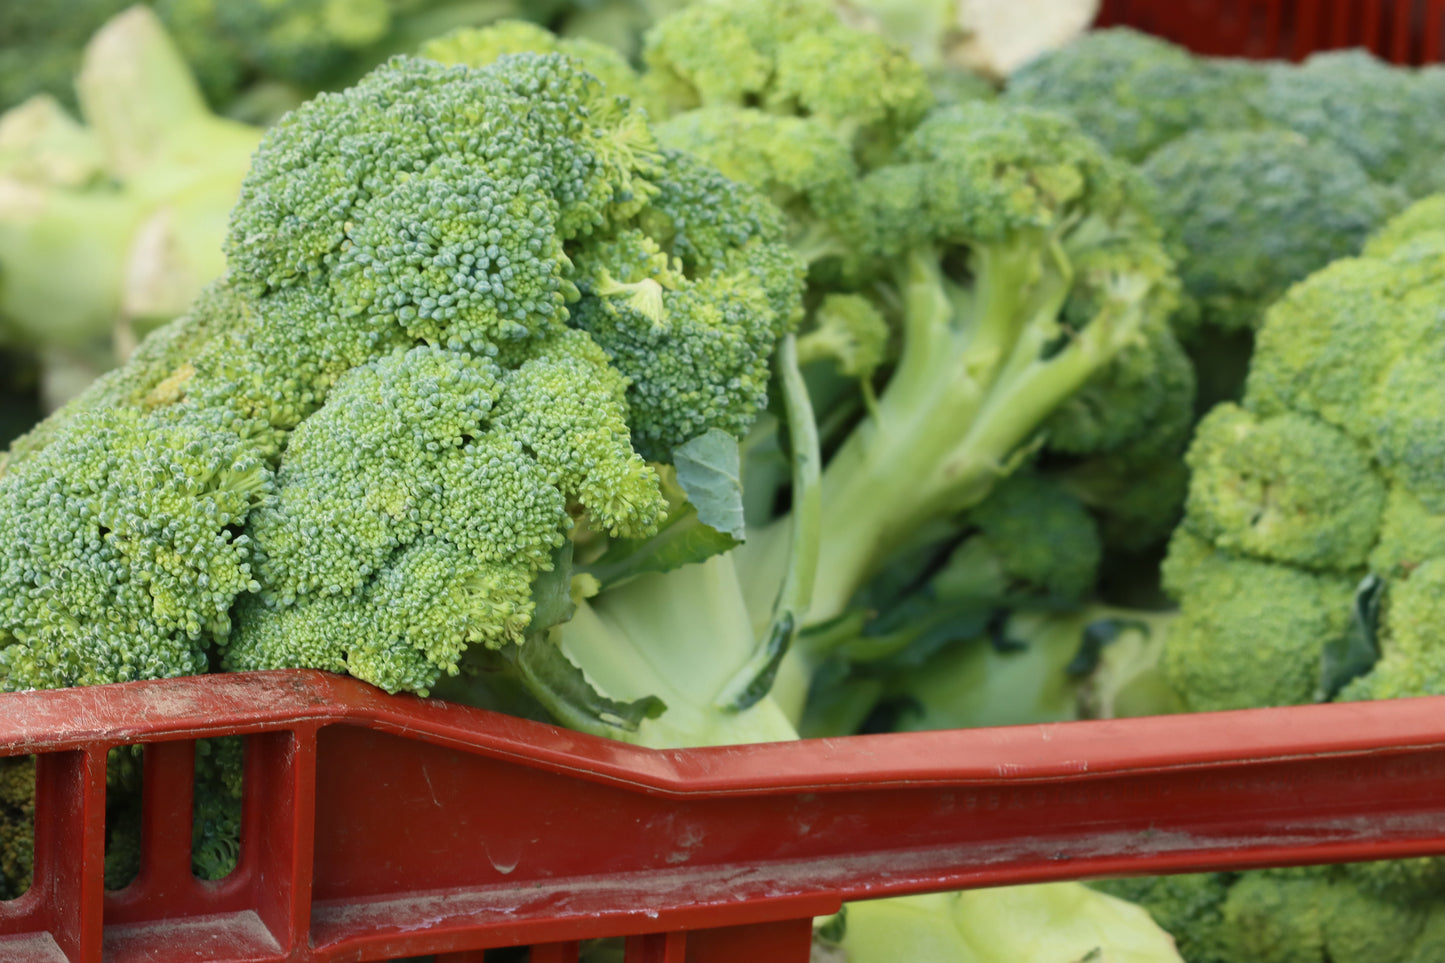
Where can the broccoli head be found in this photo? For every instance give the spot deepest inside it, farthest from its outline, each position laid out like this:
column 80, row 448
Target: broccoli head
column 1020, row 263
column 363, row 448
column 1256, row 211
column 1387, row 118
column 1135, row 93
column 1315, row 523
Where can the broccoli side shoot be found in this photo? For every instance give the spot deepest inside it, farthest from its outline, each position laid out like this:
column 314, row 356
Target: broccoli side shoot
column 1019, row 265
column 797, row 59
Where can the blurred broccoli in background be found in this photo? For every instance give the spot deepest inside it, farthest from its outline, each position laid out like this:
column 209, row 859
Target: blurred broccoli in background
column 111, row 227
column 234, row 45
column 1135, row 92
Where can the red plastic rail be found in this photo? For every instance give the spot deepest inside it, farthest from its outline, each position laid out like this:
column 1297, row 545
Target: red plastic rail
column 378, row 826
column 1402, row 31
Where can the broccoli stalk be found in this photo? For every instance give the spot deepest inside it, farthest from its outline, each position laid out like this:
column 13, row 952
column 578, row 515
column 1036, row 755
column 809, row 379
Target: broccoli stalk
column 119, row 223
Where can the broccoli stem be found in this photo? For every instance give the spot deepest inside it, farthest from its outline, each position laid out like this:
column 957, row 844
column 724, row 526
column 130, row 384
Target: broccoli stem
column 681, row 636
column 976, row 378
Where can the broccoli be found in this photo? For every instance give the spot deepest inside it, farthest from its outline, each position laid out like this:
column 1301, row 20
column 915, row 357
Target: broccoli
column 1190, row 907
column 799, row 162
column 1256, row 211
column 1019, row 267
column 402, row 350
column 1135, row 93
column 796, row 59
column 1387, row 118
column 1313, row 915
column 107, row 229
column 1310, row 539
column 479, row 46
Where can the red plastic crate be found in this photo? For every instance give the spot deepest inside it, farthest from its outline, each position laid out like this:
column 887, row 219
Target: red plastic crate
column 1402, row 31
column 378, row 826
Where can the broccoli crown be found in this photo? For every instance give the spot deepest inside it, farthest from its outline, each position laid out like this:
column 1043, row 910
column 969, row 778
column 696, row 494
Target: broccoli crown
column 983, row 173
column 1315, row 915
column 795, row 58
column 1249, row 632
column 1135, row 93
column 688, row 302
column 479, row 46
column 138, row 570
column 1324, row 480
column 1383, row 116
column 415, row 509
column 360, row 450
column 1016, row 260
column 1288, row 488
column 1256, row 211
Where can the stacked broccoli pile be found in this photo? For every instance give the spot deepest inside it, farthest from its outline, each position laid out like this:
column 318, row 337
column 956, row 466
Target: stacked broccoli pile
column 736, row 386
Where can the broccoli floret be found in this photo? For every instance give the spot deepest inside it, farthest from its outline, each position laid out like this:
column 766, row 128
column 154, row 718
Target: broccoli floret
column 797, row 58
column 479, row 46
column 387, row 552
column 691, row 326
column 1249, row 632
column 1256, row 211
column 1288, row 488
column 1136, row 93
column 802, row 165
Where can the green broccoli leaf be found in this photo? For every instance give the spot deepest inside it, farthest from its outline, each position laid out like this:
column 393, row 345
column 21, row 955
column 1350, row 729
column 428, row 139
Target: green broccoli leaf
column 1354, row 652
column 709, row 471
column 566, row 693
column 704, row 491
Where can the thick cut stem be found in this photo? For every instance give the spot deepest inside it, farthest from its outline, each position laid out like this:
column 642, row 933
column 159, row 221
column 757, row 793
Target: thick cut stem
column 680, row 636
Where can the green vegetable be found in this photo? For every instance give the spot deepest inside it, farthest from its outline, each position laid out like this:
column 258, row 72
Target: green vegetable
column 110, row 228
